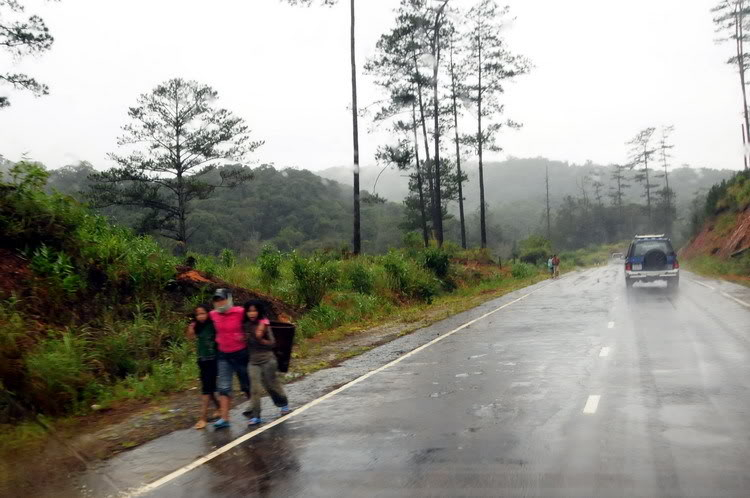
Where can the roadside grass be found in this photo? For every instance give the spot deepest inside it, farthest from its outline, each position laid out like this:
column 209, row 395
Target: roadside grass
column 734, row 269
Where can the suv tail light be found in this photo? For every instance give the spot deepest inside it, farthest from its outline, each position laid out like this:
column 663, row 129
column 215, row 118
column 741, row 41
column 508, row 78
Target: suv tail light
column 676, row 264
column 628, row 267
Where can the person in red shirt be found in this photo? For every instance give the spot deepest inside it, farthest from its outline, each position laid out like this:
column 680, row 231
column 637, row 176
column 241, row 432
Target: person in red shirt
column 232, row 355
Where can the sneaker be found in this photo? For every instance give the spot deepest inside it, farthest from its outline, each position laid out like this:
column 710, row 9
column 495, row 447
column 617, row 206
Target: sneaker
column 248, row 413
column 284, row 410
column 255, row 421
column 221, row 424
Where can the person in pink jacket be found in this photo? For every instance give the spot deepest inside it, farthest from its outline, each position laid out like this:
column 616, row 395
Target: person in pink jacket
column 231, row 343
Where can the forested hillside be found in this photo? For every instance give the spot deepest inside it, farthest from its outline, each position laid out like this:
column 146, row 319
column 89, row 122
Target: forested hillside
column 298, row 209
column 293, row 209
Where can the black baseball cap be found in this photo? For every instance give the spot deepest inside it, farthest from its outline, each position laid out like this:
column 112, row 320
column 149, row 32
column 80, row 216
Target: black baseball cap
column 221, row 294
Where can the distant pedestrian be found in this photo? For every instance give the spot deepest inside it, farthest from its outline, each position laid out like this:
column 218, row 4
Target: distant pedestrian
column 232, row 351
column 202, row 329
column 263, row 363
column 551, row 267
column 555, row 266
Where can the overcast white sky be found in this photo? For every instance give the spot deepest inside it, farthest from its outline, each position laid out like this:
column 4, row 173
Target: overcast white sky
column 604, row 70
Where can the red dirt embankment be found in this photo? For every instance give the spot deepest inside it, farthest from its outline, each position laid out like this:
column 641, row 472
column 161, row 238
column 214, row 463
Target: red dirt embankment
column 721, row 243
column 192, row 280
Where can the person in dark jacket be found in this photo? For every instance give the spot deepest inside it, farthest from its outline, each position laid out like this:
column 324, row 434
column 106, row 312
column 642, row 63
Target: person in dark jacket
column 263, row 364
column 201, row 329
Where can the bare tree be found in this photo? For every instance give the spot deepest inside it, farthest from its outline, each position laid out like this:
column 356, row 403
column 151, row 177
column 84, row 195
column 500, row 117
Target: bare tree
column 617, row 191
column 641, row 152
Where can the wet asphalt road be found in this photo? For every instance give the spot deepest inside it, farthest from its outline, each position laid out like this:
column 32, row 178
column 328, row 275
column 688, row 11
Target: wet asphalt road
column 579, row 389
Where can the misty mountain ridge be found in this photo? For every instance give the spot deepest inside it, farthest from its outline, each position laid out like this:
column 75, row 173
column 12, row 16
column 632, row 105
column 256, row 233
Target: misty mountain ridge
column 523, row 179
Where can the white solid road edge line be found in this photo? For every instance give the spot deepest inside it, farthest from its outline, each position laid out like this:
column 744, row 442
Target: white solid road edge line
column 704, row 285
column 740, row 301
column 592, row 404
column 729, row 296
column 197, row 463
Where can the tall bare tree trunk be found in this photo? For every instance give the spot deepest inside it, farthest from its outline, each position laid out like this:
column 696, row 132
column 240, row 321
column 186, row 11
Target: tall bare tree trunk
column 648, row 184
column 437, row 208
column 549, row 230
column 482, row 214
column 458, row 151
column 423, row 122
column 423, row 213
column 739, row 19
column 357, row 238
column 744, row 145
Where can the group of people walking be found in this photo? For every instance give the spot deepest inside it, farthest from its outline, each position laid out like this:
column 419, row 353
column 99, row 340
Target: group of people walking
column 553, row 265
column 235, row 340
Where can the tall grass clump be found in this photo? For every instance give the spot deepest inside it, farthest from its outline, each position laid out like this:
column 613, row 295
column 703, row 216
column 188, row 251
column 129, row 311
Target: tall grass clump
column 408, row 278
column 521, row 271
column 314, row 276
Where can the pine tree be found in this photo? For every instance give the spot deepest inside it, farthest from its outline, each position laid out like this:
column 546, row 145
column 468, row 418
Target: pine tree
column 21, row 38
column 176, row 139
column 489, row 66
column 455, row 90
column 732, row 19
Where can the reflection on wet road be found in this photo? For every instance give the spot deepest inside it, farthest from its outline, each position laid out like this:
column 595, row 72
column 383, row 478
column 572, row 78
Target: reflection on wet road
column 580, row 389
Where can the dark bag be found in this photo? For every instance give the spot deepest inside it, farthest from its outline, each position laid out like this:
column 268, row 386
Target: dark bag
column 283, row 333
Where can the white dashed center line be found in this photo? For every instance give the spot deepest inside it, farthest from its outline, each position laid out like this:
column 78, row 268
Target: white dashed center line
column 604, row 352
column 591, row 404
column 611, row 325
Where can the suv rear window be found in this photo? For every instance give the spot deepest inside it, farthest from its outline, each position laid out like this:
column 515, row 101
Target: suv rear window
column 641, row 247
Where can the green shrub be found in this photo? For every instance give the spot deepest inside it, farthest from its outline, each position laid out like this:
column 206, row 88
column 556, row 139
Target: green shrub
column 57, row 269
column 413, row 240
column 360, row 278
column 269, row 262
column 313, row 277
column 521, row 271
column 535, row 249
column 227, row 258
column 437, row 261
